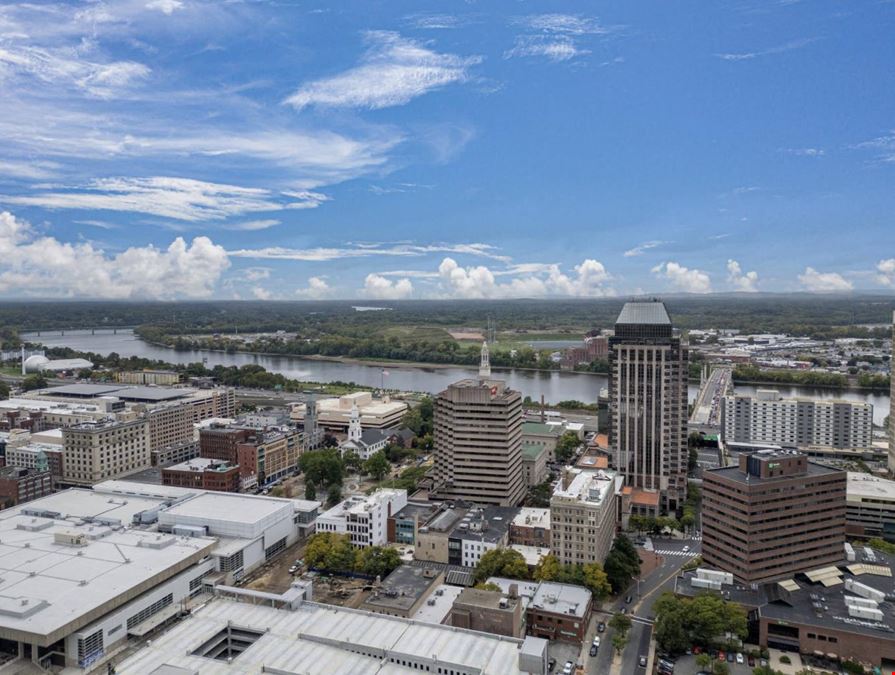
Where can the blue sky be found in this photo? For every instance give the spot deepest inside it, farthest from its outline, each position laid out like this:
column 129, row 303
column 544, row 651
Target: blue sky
column 183, row 149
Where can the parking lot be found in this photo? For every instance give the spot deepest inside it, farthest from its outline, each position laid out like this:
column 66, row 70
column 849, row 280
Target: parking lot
column 686, row 665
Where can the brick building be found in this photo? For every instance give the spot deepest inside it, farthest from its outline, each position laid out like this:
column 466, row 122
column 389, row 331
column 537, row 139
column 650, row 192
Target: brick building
column 204, row 474
column 18, row 484
column 488, row 612
column 773, row 515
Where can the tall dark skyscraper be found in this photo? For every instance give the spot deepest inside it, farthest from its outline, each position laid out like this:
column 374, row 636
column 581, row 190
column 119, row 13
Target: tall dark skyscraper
column 648, row 406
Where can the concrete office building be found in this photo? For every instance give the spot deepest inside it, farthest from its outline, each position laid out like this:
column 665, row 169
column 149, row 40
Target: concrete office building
column 175, row 453
column 773, row 515
column 335, row 413
column 96, row 451
column 542, row 435
column 870, row 510
column 364, row 518
column 478, row 438
column 767, row 417
column 148, row 376
column 583, row 516
column 648, row 402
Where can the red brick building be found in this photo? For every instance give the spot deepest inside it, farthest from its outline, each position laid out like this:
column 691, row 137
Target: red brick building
column 204, row 474
column 18, row 485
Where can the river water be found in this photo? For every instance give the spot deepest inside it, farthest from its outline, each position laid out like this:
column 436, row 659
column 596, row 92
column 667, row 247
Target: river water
column 554, row 386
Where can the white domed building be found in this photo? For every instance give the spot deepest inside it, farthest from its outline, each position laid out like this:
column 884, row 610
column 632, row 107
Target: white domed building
column 37, row 363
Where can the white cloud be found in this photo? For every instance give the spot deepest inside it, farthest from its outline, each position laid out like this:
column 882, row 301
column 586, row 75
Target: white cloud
column 885, row 144
column 31, row 170
column 780, row 49
column 557, row 48
column 478, row 281
column 640, row 249
column 683, row 278
column 261, row 293
column 165, row 6
column 380, row 288
column 741, row 281
column 321, row 254
column 805, row 152
column 252, row 225
column 568, row 24
column 317, row 288
column 555, row 36
column 886, row 272
column 256, row 273
column 394, row 71
column 822, row 282
column 178, row 198
column 43, row 266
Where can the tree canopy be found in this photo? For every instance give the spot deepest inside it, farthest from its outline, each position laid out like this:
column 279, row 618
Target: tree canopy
column 501, row 562
column 681, row 622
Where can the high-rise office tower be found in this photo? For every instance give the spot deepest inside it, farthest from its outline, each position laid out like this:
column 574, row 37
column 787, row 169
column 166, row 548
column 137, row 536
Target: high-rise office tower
column 648, row 406
column 478, row 441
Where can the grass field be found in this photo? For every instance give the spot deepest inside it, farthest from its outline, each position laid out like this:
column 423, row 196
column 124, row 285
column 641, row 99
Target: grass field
column 415, row 333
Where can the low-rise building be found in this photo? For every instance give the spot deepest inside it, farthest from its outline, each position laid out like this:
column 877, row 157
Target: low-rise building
column 363, row 442
column 335, row 413
column 531, row 527
column 479, row 530
column 870, row 507
column 432, row 538
column 403, row 591
column 269, row 455
column 41, row 456
column 534, row 463
column 148, row 376
column 404, row 525
column 559, row 612
column 204, row 474
column 583, row 515
column 18, row 485
column 488, row 612
column 542, row 435
column 364, row 518
column 175, row 453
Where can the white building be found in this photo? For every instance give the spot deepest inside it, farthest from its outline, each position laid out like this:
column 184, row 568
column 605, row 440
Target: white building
column 583, row 515
column 767, row 417
column 363, row 442
column 335, row 413
column 870, row 506
column 364, row 518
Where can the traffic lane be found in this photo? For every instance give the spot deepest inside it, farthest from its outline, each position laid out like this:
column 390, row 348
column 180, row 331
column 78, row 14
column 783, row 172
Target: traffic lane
column 638, row 645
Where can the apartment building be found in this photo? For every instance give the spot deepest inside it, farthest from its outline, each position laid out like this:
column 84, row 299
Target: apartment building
column 583, row 515
column 18, row 485
column 773, row 515
column 97, row 451
column 648, row 402
column 478, row 441
column 767, row 417
column 531, row 527
column 174, row 422
column 204, row 474
column 40, row 456
column 219, row 441
column 270, row 455
column 364, row 518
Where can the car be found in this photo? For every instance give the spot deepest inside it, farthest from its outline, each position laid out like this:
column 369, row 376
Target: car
column 721, row 655
column 730, row 657
column 568, row 668
column 740, row 659
column 697, row 649
column 293, row 569
column 601, row 627
column 751, row 660
column 686, row 549
column 551, row 664
column 642, row 661
column 763, row 663
column 665, row 669
column 593, row 650
column 623, row 610
column 628, row 599
column 689, row 651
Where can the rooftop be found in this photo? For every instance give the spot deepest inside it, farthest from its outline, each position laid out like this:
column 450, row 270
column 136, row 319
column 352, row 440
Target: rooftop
column 230, row 507
column 562, row 599
column 51, row 587
column 734, row 473
column 202, row 464
column 541, row 429
column 530, row 516
column 402, row 588
column 864, row 485
column 488, row 599
column 643, row 312
column 489, row 523
column 585, row 485
column 531, row 451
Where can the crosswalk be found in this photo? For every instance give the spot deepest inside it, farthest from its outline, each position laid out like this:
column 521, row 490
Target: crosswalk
column 684, row 554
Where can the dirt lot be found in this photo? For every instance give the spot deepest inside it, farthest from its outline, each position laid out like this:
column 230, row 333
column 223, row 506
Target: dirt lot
column 274, row 576
column 342, row 592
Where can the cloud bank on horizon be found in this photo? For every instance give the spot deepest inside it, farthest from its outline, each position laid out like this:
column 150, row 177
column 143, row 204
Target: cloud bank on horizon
column 169, row 149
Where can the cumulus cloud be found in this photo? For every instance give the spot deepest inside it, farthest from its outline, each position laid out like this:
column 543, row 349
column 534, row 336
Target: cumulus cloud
column 394, row 71
column 683, row 278
column 589, row 280
column 381, row 288
column 886, row 272
column 317, row 288
column 823, row 282
column 741, row 281
column 43, row 266
column 178, row 198
column 261, row 293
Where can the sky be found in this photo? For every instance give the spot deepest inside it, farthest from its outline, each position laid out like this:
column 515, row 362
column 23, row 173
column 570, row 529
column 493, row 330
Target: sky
column 183, row 149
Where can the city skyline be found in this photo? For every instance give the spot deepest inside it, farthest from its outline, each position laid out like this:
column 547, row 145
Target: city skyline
column 174, row 149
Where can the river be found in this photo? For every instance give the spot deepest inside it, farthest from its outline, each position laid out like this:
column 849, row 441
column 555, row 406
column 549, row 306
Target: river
column 554, row 386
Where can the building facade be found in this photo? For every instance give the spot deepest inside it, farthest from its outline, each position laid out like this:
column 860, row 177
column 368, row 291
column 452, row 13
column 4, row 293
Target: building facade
column 772, row 516
column 583, row 516
column 648, row 402
column 534, row 464
column 767, row 417
column 203, row 474
column 478, row 441
column 18, row 485
column 870, row 509
column 487, row 612
column 364, row 518
column 97, row 451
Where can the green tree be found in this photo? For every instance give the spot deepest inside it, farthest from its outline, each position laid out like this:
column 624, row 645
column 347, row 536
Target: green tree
column 720, row 668
column 501, row 562
column 596, row 581
column 351, row 462
column 341, row 556
column 377, row 466
column 322, row 467
column 566, row 446
column 310, row 491
column 767, row 670
column 621, row 623
column 334, row 494
column 703, row 661
column 4, row 390
column 619, row 641
column 622, row 564
column 671, row 625
column 34, row 382
column 319, row 547
column 377, row 561
column 488, row 586
column 548, row 568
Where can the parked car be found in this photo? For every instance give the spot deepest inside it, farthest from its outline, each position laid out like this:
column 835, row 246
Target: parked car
column 751, row 660
column 601, row 627
column 293, row 569
column 551, row 664
column 730, row 657
column 596, row 642
column 628, row 599
column 740, row 659
column 623, row 610
column 568, row 668
column 642, row 661
column 593, row 650
column 721, row 655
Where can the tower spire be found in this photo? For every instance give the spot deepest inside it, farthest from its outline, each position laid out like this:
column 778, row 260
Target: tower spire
column 354, row 428
column 485, row 365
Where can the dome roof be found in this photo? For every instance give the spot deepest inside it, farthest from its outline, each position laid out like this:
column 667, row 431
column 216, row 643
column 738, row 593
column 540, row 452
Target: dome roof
column 33, row 363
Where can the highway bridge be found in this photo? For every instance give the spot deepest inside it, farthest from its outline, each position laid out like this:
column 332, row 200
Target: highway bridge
column 707, row 409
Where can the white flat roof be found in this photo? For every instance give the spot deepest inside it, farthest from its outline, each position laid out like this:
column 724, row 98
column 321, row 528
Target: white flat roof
column 320, row 640
column 158, row 492
column 49, row 590
column 532, row 554
column 866, row 485
column 530, row 516
column 601, row 481
column 231, row 507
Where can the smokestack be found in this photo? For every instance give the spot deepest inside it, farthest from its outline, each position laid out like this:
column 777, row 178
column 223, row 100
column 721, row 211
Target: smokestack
column 542, row 407
column 23, row 359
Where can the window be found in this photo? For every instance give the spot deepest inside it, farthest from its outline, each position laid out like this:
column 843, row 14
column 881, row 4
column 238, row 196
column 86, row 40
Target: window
column 154, row 608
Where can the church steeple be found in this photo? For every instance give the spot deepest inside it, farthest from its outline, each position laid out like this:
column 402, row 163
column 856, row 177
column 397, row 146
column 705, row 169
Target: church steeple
column 354, row 429
column 485, row 365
